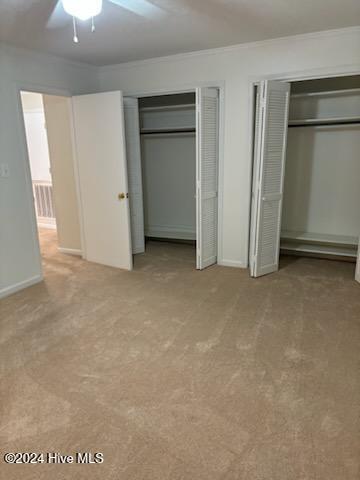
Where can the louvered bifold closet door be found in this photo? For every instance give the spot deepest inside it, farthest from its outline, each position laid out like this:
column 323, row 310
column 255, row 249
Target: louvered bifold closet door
column 207, row 133
column 133, row 157
column 270, row 154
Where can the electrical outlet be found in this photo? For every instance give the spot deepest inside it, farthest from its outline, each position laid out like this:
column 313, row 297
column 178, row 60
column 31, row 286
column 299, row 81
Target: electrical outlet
column 4, row 170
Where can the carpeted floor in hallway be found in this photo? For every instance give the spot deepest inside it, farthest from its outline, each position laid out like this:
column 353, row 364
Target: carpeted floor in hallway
column 175, row 374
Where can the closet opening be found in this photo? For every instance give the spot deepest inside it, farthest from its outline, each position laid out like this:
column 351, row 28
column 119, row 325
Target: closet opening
column 306, row 193
column 168, row 161
column 172, row 162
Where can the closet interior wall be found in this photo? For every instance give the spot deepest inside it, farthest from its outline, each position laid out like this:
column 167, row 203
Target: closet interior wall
column 168, row 158
column 321, row 192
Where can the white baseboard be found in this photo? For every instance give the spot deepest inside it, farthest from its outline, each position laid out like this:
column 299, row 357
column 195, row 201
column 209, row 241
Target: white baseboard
column 70, row 251
column 20, row 286
column 232, row 263
column 44, row 222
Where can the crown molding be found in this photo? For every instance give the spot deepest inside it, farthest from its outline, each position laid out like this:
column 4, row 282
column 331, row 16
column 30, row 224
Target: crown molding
column 232, row 48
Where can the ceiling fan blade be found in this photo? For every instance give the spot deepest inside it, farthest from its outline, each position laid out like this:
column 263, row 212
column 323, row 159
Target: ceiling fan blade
column 59, row 18
column 140, row 7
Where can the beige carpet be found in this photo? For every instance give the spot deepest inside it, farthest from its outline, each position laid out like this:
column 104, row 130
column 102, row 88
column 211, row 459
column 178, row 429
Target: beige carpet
column 178, row 374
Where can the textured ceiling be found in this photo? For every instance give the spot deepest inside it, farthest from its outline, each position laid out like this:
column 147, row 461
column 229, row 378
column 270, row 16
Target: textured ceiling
column 187, row 25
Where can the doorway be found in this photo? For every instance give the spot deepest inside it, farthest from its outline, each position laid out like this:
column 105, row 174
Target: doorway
column 41, row 178
column 47, row 123
column 167, row 190
column 172, row 154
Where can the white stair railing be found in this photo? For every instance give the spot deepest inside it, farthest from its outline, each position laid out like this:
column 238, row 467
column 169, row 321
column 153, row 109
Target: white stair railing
column 44, row 205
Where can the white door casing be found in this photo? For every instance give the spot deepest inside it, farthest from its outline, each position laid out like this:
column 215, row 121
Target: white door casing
column 269, row 170
column 207, row 155
column 102, row 177
column 133, row 156
column 254, row 190
column 357, row 271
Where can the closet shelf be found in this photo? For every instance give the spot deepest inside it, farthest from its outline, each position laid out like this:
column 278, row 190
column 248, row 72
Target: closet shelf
column 349, row 91
column 329, row 239
column 324, row 121
column 319, row 249
column 185, row 106
column 319, row 244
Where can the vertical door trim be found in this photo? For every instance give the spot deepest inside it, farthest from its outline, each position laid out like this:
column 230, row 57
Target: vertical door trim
column 357, row 271
column 131, row 103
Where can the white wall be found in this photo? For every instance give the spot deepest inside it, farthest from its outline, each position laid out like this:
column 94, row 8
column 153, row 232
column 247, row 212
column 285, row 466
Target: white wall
column 31, row 101
column 184, row 117
column 37, row 145
column 168, row 172
column 235, row 68
column 36, row 136
column 20, row 69
column 169, row 168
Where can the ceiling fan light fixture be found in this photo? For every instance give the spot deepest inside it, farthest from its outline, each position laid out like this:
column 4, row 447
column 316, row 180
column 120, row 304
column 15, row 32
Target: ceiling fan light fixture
column 82, row 9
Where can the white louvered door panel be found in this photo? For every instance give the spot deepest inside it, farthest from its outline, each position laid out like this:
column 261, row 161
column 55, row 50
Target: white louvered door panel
column 270, row 154
column 357, row 273
column 133, row 157
column 207, row 105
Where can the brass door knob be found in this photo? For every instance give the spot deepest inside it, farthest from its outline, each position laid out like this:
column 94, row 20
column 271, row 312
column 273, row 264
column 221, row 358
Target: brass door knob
column 122, row 195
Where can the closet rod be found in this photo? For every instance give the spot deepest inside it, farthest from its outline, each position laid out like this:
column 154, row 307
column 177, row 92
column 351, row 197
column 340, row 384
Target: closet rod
column 168, row 107
column 161, row 132
column 324, row 124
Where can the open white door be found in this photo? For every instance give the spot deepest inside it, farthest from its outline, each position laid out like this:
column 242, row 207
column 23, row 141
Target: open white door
column 207, row 154
column 133, row 156
column 357, row 272
column 102, row 177
column 269, row 169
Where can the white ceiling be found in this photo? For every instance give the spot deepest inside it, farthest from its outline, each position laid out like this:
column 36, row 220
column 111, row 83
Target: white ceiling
column 187, row 25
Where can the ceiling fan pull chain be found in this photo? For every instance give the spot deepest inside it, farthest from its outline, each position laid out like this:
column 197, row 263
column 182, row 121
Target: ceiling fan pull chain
column 92, row 25
column 76, row 39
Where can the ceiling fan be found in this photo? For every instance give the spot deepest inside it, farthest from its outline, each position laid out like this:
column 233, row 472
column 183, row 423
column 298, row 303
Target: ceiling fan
column 88, row 9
